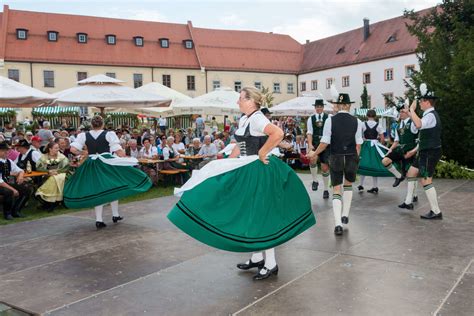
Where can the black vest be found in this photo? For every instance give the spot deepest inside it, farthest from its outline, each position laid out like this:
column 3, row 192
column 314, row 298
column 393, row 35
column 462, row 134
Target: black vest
column 6, row 168
column 22, row 163
column 431, row 137
column 371, row 133
column 343, row 130
column 99, row 145
column 250, row 145
column 318, row 127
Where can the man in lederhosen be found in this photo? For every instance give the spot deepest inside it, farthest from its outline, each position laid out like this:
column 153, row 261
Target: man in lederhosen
column 315, row 126
column 27, row 154
column 429, row 151
column 342, row 131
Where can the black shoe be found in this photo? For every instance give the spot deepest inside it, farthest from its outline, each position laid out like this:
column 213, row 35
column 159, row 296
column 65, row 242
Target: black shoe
column 360, row 188
column 326, row 194
column 432, row 215
column 8, row 217
column 338, row 230
column 315, row 186
column 373, row 190
column 407, row 206
column 115, row 219
column 398, row 181
column 250, row 265
column 100, row 225
column 265, row 273
column 345, row 220
column 415, row 199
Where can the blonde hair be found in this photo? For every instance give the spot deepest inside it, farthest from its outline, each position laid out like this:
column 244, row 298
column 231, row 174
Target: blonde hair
column 254, row 94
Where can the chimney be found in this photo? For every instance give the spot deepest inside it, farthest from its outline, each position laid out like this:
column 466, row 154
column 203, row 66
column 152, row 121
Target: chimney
column 307, row 41
column 366, row 29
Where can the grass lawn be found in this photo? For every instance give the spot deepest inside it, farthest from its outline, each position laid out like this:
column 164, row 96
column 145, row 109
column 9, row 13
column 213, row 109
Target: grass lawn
column 32, row 212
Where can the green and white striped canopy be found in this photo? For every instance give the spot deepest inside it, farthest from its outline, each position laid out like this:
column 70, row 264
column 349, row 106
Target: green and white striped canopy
column 6, row 110
column 363, row 112
column 52, row 110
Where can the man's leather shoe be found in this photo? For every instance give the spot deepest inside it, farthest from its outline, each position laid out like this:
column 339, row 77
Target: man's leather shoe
column 338, row 230
column 415, row 199
column 115, row 219
column 360, row 188
column 265, row 273
column 398, row 181
column 407, row 206
column 432, row 215
column 345, row 220
column 315, row 186
column 100, row 225
column 8, row 217
column 326, row 194
column 373, row 190
column 250, row 265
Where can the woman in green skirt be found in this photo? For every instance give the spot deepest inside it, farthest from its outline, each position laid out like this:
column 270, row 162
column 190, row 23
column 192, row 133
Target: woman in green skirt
column 102, row 178
column 249, row 202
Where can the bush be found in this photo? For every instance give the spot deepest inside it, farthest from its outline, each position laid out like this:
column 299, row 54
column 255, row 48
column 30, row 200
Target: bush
column 452, row 170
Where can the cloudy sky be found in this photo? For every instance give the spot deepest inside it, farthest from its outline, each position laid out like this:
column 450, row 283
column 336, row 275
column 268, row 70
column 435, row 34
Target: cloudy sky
column 302, row 19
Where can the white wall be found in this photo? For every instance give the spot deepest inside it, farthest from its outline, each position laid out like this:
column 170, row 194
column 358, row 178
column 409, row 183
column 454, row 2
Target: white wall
column 375, row 89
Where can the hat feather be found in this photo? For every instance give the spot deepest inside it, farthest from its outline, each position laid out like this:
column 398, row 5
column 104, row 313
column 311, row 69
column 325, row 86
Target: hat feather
column 423, row 89
column 334, row 92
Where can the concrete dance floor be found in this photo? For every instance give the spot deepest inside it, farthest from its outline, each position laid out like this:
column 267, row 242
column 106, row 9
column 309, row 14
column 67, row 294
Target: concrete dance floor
column 388, row 262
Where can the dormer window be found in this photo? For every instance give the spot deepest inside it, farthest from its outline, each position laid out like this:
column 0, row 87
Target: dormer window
column 392, row 38
column 52, row 36
column 111, row 39
column 21, row 34
column 138, row 40
column 164, row 42
column 188, row 44
column 341, row 50
column 81, row 38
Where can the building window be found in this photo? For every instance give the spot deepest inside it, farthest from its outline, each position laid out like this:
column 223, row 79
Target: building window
column 82, row 38
column 303, row 86
column 81, row 75
column 258, row 85
column 164, row 43
column 48, row 77
column 138, row 40
column 137, row 80
column 237, row 86
column 14, row 74
column 409, row 71
column 388, row 74
column 290, row 89
column 388, row 99
column 329, row 82
column 366, row 78
column 314, row 84
column 110, row 74
column 345, row 81
column 276, row 87
column 188, row 44
column 216, row 84
column 111, row 39
column 166, row 80
column 191, row 83
column 52, row 36
column 21, row 34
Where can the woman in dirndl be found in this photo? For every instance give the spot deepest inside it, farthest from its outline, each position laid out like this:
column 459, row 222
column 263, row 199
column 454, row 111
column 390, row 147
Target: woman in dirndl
column 105, row 175
column 250, row 202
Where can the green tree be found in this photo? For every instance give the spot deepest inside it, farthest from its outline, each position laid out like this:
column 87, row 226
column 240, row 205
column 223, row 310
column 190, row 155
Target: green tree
column 364, row 98
column 446, row 56
column 268, row 102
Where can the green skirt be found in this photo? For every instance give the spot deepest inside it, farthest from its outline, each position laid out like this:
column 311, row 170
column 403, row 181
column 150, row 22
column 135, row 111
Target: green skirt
column 251, row 208
column 370, row 163
column 96, row 183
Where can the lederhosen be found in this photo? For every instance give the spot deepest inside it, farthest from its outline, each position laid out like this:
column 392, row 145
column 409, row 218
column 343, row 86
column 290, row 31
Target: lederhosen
column 11, row 204
column 23, row 163
column 371, row 132
column 406, row 142
column 317, row 134
column 343, row 160
column 250, row 145
column 429, row 150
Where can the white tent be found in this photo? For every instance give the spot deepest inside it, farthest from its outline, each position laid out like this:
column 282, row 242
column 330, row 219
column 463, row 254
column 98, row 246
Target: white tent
column 300, row 106
column 222, row 101
column 15, row 94
column 103, row 92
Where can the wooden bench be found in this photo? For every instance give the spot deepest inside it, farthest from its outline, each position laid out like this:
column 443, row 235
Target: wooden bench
column 172, row 172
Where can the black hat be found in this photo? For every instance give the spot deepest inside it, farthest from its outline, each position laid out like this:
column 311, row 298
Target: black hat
column 343, row 98
column 4, row 146
column 319, row 102
column 23, row 143
column 265, row 111
column 425, row 93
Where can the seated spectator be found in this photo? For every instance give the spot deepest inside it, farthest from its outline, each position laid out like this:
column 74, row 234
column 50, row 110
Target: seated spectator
column 219, row 142
column 195, row 147
column 57, row 166
column 179, row 147
column 148, row 151
column 132, row 149
column 28, row 136
column 12, row 153
column 12, row 185
column 27, row 155
column 204, row 134
column 188, row 138
column 208, row 151
column 136, row 135
column 36, row 143
column 64, row 146
column 171, row 157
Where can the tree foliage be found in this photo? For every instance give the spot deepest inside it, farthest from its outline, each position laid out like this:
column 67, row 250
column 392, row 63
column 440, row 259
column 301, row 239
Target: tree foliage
column 364, row 97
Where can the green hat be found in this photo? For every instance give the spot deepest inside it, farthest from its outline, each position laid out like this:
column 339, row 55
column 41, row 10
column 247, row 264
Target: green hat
column 343, row 98
column 318, row 102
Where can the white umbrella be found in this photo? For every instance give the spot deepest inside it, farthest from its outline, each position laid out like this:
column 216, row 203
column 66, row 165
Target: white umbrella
column 15, row 94
column 222, row 101
column 300, row 106
column 104, row 92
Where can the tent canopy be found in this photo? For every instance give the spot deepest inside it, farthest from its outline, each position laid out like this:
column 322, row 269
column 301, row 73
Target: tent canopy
column 15, row 94
column 363, row 112
column 222, row 101
column 300, row 106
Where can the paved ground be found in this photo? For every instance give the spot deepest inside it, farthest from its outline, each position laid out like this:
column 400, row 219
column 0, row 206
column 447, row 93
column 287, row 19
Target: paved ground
column 389, row 262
